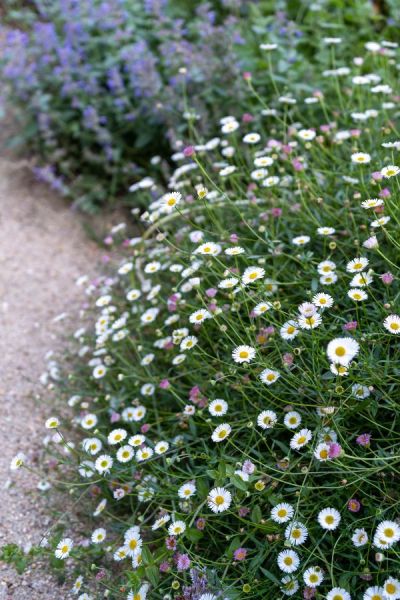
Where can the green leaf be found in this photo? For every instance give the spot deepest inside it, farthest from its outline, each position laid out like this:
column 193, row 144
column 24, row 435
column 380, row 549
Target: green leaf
column 239, row 483
column 256, row 514
column 153, row 575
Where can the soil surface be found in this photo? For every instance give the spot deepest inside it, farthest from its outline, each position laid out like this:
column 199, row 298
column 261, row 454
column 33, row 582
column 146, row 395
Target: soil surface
column 43, row 250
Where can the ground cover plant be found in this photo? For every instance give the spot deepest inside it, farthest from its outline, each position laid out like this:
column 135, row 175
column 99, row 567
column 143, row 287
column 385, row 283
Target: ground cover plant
column 236, row 402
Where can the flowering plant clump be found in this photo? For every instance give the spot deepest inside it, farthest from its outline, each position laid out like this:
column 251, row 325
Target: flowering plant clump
column 237, row 397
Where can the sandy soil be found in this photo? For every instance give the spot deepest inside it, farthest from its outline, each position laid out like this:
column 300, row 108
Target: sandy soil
column 43, row 250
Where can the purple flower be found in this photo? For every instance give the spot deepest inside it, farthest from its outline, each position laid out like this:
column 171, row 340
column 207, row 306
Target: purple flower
column 364, row 439
column 334, row 450
column 350, row 325
column 240, row 554
column 387, row 278
column 182, row 562
column 353, row 505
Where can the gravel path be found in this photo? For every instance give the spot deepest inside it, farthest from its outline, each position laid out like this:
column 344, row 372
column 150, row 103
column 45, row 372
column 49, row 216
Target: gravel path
column 43, row 250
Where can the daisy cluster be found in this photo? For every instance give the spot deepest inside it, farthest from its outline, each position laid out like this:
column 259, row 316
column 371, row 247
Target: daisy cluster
column 237, row 397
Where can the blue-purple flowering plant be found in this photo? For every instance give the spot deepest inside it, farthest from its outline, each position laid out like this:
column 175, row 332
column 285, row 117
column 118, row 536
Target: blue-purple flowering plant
column 102, row 85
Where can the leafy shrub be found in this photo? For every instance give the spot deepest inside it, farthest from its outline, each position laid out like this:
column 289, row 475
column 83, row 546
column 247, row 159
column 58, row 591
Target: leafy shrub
column 103, row 84
column 237, row 398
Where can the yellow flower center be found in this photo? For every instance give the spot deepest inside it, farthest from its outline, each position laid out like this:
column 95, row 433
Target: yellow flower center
column 171, row 201
column 270, row 377
column 389, row 532
column 340, row 351
column 64, row 549
column 323, row 454
column 394, row 326
column 390, row 588
column 296, row 533
column 222, row 434
column 282, row 512
column 133, row 544
column 288, row 560
column 329, row 520
column 301, row 439
column 219, row 500
column 244, row 354
column 291, row 329
column 313, row 578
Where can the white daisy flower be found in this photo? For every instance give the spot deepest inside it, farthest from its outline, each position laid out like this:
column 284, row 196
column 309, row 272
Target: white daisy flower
column 322, row 300
column 283, row 512
column 338, row 594
column 199, row 316
column 306, row 134
column 261, row 308
column 326, row 230
column 176, row 528
column 243, row 354
column 103, row 464
column 357, row 264
column 221, row 432
column 301, row 240
column 251, row 274
column 116, row 436
column 218, row 407
column 52, row 423
column 152, row 267
column 208, row 249
column 329, row 518
column 328, row 279
column 188, row 342
column 289, row 330
column 125, row 454
column 292, row 419
column 359, row 538
column 390, row 171
column 321, row 452
column 296, row 533
column 161, row 447
column 144, row 453
column 219, row 499
column 360, row 158
column 234, row 251
column 380, row 222
column 288, row 561
column 313, row 577
column 374, row 593
column 357, row 294
column 389, row 532
column 361, row 280
column 98, row 536
column 64, row 548
column 392, row 324
column 251, row 138
column 289, row 586
column 171, row 200
column 342, row 350
column 187, row 490
column 99, row 371
column 391, row 589
column 372, row 203
column 267, row 419
column 229, row 283
column 300, row 439
column 268, row 376
column 160, row 522
column 309, row 322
